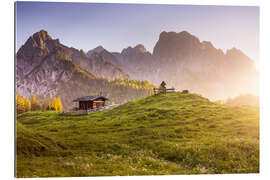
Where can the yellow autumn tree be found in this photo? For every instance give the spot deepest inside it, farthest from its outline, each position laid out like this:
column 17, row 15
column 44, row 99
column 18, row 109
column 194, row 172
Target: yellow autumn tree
column 54, row 104
column 27, row 105
column 59, row 104
column 17, row 102
column 35, row 106
column 20, row 104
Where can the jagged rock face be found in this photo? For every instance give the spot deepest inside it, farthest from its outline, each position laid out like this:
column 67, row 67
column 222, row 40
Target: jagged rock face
column 44, row 65
column 104, row 64
column 184, row 62
column 39, row 66
column 32, row 52
column 173, row 45
column 138, row 63
column 98, row 49
column 136, row 55
column 190, row 64
column 42, row 62
column 47, row 68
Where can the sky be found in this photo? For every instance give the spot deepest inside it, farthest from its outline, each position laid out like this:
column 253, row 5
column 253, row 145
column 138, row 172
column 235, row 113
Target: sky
column 117, row 26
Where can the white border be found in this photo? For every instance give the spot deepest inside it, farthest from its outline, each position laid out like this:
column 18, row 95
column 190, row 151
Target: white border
column 7, row 87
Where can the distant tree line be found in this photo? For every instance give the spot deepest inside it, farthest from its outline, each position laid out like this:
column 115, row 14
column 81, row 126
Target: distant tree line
column 118, row 90
column 25, row 104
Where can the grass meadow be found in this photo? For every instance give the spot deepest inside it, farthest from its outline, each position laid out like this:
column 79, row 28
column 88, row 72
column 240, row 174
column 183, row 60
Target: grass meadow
column 158, row 135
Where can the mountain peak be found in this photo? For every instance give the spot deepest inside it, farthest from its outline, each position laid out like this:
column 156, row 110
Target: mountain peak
column 41, row 35
column 234, row 52
column 172, row 34
column 137, row 49
column 165, row 35
column 184, row 33
column 38, row 39
column 172, row 43
column 41, row 41
column 98, row 49
column 140, row 48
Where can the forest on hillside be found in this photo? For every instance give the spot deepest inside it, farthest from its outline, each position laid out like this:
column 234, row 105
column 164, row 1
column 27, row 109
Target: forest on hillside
column 33, row 104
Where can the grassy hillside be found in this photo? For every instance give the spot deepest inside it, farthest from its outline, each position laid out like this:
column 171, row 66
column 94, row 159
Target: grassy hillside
column 30, row 143
column 164, row 134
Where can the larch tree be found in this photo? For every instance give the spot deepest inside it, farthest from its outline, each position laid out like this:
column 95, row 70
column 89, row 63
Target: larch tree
column 17, row 102
column 54, row 104
column 35, row 106
column 20, row 104
column 27, row 105
column 59, row 104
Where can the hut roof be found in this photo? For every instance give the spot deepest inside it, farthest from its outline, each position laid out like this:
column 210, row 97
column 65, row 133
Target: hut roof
column 89, row 98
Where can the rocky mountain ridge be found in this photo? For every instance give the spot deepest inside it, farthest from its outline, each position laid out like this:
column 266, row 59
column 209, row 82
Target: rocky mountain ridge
column 47, row 68
column 180, row 59
column 185, row 62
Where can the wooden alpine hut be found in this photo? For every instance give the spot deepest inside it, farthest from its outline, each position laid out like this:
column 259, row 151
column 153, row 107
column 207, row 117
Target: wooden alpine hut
column 90, row 102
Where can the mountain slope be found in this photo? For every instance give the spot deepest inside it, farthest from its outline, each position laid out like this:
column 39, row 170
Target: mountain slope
column 200, row 67
column 163, row 134
column 138, row 63
column 47, row 68
column 104, row 64
column 185, row 62
column 180, row 59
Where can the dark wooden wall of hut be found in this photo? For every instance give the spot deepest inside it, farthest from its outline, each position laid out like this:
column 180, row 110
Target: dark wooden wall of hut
column 85, row 105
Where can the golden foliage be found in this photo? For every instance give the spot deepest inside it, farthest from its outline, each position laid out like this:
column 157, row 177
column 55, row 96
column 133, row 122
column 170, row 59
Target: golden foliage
column 20, row 104
column 27, row 105
column 35, row 105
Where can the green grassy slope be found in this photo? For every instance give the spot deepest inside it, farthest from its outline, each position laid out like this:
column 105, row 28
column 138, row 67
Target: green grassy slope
column 30, row 143
column 164, row 134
